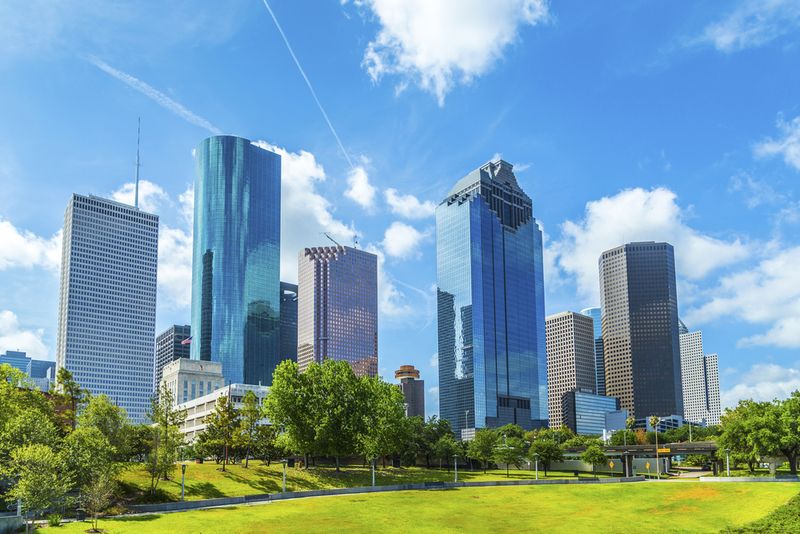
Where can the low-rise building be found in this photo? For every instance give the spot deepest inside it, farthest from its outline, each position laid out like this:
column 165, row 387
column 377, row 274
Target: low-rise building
column 201, row 407
column 584, row 412
column 189, row 379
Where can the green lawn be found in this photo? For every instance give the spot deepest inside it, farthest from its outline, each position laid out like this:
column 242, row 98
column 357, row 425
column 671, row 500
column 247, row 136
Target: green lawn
column 207, row 481
column 637, row 507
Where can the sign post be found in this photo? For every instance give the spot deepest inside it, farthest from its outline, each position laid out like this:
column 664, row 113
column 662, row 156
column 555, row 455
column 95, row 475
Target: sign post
column 183, row 480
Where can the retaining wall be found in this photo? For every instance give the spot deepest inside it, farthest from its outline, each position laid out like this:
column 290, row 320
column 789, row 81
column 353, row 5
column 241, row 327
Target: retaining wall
column 750, row 479
column 266, row 497
column 10, row 523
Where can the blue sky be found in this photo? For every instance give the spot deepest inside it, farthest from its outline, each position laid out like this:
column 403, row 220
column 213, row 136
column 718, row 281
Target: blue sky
column 625, row 122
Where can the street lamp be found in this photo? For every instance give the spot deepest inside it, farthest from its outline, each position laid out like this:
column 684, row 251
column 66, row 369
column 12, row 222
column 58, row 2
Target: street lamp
column 373, row 472
column 536, row 461
column 728, row 461
column 455, row 463
column 183, row 480
column 284, row 474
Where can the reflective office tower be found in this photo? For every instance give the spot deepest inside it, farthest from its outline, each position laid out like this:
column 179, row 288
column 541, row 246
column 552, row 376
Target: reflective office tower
column 41, row 372
column 700, row 379
column 107, row 309
column 337, row 308
column 640, row 328
column 490, row 304
column 570, row 359
column 599, row 362
column 413, row 390
column 587, row 414
column 288, row 321
column 171, row 344
column 236, row 262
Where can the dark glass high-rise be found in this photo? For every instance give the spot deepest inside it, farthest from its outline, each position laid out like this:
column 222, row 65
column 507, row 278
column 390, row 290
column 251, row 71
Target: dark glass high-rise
column 236, row 261
column 490, row 304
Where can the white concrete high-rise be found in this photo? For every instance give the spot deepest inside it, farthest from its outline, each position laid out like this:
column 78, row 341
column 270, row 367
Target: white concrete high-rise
column 700, row 379
column 107, row 308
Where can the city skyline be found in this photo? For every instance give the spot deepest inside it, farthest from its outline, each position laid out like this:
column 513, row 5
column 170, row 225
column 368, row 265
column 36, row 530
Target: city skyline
column 698, row 169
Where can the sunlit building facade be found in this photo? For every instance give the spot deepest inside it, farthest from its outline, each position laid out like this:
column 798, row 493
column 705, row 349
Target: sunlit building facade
column 599, row 360
column 700, row 381
column 337, row 308
column 107, row 306
column 236, row 261
column 490, row 304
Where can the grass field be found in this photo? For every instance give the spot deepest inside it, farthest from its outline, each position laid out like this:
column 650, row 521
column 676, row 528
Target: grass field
column 638, row 507
column 207, row 481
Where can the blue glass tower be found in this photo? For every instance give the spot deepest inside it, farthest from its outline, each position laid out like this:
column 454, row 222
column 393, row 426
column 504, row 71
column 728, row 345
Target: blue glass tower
column 236, row 261
column 491, row 327
column 599, row 359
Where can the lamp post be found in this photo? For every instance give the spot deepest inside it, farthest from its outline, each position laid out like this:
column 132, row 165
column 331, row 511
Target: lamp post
column 373, row 472
column 284, row 474
column 728, row 461
column 183, row 480
column 455, row 463
column 536, row 461
column 654, row 420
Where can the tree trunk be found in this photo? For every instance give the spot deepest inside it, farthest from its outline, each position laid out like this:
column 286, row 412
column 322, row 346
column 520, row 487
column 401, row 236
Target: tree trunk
column 225, row 459
column 337, row 465
column 485, row 466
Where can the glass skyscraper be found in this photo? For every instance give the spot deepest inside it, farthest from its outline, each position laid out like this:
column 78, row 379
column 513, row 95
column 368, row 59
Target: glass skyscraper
column 490, row 304
column 170, row 345
column 236, row 261
column 599, row 361
column 337, row 308
column 640, row 328
column 107, row 307
column 288, row 321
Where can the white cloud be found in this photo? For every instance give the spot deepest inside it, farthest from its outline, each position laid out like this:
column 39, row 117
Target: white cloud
column 788, row 145
column 756, row 192
column 434, row 361
column 408, row 206
column 763, row 382
column 359, row 190
column 752, row 23
column 186, row 203
column 433, row 390
column 12, row 337
column 766, row 294
column 175, row 267
column 391, row 301
column 637, row 215
column 305, row 213
column 155, row 95
column 22, row 248
column 439, row 44
column 151, row 196
column 402, row 241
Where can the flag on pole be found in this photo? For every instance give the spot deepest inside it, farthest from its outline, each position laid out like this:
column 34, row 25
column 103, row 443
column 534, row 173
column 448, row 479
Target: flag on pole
column 187, row 341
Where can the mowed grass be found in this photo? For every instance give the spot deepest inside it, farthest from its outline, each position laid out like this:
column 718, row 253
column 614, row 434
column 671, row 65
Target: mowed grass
column 207, row 481
column 635, row 507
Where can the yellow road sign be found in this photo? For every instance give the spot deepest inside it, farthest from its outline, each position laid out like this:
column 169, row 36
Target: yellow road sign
column 664, row 450
column 611, row 465
column 647, row 466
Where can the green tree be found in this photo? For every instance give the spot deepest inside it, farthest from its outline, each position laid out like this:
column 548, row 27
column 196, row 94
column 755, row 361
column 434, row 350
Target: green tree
column 87, row 455
column 594, row 455
column 166, row 437
column 265, row 444
column 72, row 397
column 221, row 427
column 26, row 427
column 41, row 481
column 112, row 421
column 623, row 437
column 548, row 450
column 381, row 430
column 251, row 414
column 445, row 448
column 787, row 413
column 511, row 430
column 412, row 439
column 96, row 496
column 482, row 446
column 340, row 408
column 509, row 450
column 434, row 430
column 292, row 405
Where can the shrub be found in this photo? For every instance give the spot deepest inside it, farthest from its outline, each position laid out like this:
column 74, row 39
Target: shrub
column 54, row 520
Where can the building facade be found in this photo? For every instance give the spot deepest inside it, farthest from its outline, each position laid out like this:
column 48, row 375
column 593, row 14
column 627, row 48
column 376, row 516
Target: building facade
column 197, row 410
column 490, row 304
column 337, row 308
column 171, row 344
column 640, row 328
column 236, row 261
column 585, row 413
column 570, row 359
column 599, row 361
column 189, row 379
column 288, row 321
column 41, row 372
column 700, row 380
column 413, row 390
column 107, row 301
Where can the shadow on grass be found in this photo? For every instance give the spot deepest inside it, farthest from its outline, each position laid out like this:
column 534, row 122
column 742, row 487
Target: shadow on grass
column 137, row 518
column 206, row 490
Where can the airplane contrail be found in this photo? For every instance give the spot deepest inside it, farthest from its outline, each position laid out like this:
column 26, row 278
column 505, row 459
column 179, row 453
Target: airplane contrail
column 154, row 94
column 308, row 83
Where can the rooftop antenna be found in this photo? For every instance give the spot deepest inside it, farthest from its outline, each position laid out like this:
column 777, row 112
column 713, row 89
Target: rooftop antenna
column 355, row 240
column 138, row 137
column 326, row 234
